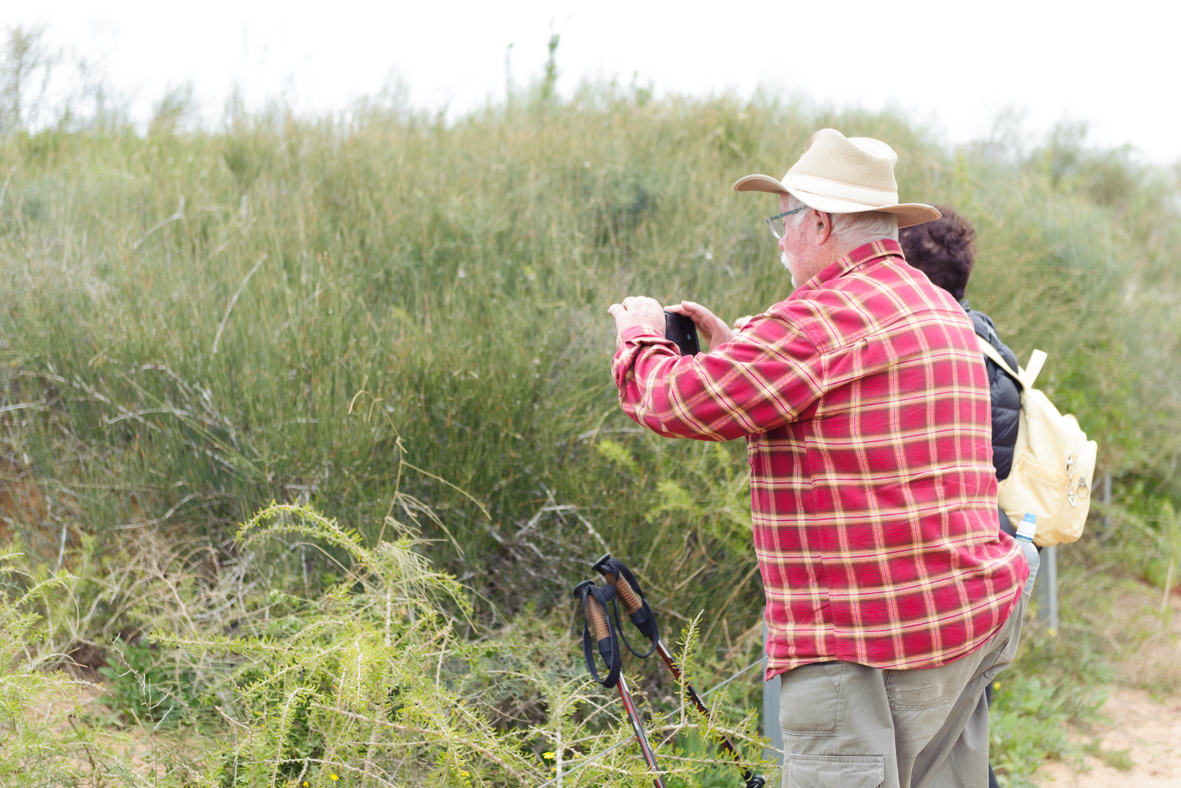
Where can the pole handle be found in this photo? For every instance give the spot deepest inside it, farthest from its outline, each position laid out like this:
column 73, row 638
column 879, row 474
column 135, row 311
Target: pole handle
column 597, row 618
column 627, row 595
column 604, row 637
column 628, row 591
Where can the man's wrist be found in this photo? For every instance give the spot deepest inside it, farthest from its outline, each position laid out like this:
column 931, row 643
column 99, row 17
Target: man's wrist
column 638, row 330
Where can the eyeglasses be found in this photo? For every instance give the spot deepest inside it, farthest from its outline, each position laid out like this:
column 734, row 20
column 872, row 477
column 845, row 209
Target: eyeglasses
column 776, row 222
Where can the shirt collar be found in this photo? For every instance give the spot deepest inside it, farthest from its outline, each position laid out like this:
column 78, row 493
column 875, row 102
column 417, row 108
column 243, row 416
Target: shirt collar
column 866, row 253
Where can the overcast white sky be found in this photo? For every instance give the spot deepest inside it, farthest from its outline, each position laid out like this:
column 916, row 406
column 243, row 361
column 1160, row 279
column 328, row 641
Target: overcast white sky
column 954, row 66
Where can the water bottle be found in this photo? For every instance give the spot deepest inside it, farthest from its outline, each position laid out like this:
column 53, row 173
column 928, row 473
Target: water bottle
column 1025, row 533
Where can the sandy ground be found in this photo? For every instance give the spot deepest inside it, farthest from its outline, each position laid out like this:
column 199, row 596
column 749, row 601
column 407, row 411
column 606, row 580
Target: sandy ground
column 1148, row 728
column 1151, row 730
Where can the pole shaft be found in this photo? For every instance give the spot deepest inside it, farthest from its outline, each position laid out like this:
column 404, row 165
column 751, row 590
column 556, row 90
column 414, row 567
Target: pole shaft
column 723, row 741
column 634, row 717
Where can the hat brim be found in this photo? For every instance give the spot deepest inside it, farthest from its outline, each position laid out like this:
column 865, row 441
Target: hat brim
column 760, row 183
column 909, row 214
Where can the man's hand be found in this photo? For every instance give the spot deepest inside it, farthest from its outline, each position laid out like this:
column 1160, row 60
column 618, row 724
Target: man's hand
column 711, row 327
column 637, row 311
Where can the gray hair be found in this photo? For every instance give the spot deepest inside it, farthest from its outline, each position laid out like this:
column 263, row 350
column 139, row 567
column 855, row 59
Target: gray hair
column 854, row 229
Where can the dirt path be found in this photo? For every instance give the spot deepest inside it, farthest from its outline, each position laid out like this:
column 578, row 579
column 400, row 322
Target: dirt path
column 1149, row 729
column 1144, row 734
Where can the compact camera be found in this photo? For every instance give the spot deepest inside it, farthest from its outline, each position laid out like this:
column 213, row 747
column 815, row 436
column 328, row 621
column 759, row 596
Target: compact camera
column 683, row 332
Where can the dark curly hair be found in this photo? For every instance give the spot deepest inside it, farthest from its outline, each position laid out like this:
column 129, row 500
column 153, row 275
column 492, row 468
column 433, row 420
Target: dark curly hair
column 944, row 250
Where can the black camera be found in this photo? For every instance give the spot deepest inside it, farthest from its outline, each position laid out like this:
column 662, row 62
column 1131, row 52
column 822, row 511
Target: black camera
column 683, row 331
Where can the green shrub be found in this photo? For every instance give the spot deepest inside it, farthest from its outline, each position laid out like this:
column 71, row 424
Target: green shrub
column 382, row 679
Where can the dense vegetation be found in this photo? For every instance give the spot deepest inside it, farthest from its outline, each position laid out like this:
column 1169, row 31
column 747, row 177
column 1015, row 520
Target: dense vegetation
column 356, row 313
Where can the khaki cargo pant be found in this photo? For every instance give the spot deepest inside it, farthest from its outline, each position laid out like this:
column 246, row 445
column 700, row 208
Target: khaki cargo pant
column 851, row 726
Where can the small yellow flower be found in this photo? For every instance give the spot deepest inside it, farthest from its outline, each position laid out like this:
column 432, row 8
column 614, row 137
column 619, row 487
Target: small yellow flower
column 464, row 774
column 549, row 756
column 333, row 777
column 306, row 784
column 996, row 685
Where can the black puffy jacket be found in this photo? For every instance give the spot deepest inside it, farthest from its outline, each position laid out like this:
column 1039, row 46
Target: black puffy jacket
column 1005, row 393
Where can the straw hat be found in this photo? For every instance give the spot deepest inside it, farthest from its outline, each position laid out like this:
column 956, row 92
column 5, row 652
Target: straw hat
column 839, row 174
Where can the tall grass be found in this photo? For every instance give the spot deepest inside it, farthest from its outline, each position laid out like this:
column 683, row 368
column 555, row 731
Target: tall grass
column 198, row 323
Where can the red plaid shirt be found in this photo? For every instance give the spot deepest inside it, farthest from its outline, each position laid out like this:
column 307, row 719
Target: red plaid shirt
column 864, row 402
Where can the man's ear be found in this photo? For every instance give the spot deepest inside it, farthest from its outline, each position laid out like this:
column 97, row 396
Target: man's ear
column 822, row 224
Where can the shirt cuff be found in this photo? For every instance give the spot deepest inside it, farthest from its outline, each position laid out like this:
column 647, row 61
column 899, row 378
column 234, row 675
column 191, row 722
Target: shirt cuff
column 635, row 332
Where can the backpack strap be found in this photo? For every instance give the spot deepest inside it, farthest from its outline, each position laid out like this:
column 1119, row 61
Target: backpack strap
column 1036, row 359
column 1025, row 377
column 987, row 349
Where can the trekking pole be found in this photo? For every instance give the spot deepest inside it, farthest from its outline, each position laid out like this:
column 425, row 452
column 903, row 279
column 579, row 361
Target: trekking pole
column 627, row 590
column 594, row 600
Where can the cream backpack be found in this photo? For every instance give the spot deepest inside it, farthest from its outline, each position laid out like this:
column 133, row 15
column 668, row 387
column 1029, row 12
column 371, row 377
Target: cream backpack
column 1053, row 462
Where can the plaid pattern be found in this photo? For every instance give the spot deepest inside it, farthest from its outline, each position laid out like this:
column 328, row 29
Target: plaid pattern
column 864, row 402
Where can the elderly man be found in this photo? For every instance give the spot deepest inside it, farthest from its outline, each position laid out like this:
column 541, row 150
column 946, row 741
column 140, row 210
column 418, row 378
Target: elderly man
column 892, row 598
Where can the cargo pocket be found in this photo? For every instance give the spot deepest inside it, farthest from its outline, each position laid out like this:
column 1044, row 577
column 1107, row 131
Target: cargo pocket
column 835, row 771
column 810, row 699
